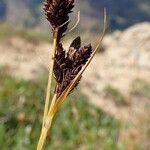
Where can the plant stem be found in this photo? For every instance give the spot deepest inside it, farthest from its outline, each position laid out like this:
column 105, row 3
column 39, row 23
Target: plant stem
column 53, row 102
column 44, row 132
column 47, row 120
column 51, row 65
column 47, row 125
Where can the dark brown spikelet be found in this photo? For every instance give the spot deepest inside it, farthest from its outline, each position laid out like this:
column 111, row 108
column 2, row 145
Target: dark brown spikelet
column 57, row 13
column 59, row 63
column 68, row 65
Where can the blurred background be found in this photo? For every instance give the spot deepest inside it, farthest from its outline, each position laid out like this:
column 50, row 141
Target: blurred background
column 109, row 110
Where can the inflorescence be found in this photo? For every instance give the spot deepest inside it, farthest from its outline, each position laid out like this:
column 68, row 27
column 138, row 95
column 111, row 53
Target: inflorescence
column 67, row 64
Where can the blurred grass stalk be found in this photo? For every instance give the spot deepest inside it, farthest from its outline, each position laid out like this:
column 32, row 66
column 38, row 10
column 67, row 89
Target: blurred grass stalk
column 57, row 99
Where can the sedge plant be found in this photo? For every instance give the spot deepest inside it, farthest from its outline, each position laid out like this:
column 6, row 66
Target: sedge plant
column 66, row 67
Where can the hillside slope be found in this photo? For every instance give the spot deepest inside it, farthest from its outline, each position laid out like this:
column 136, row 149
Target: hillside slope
column 122, row 13
column 117, row 81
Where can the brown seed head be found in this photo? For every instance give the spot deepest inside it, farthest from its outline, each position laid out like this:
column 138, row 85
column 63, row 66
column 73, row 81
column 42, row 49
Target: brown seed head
column 57, row 13
column 68, row 65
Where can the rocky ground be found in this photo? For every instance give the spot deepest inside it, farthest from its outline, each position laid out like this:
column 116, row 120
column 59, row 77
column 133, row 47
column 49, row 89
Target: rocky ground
column 125, row 60
column 117, row 81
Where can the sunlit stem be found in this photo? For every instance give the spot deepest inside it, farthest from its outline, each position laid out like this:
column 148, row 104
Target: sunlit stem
column 51, row 66
column 44, row 132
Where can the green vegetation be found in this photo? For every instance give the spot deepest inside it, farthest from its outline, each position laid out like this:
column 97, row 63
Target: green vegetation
column 7, row 31
column 78, row 125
